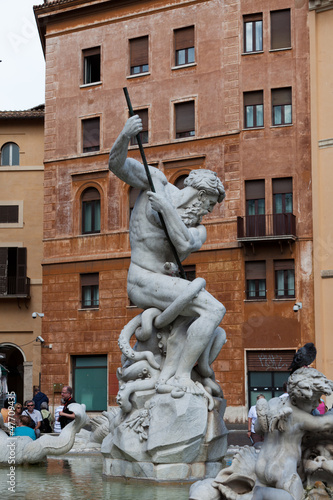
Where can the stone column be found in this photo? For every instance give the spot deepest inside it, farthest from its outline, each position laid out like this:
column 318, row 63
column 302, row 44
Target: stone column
column 27, row 380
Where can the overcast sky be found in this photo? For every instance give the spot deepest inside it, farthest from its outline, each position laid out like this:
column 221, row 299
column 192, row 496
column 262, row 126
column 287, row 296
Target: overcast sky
column 22, row 70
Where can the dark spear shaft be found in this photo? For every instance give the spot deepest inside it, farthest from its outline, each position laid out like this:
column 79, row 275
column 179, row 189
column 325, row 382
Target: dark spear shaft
column 152, row 188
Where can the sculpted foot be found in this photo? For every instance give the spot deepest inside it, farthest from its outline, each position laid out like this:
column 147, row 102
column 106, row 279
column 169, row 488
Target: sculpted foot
column 186, row 384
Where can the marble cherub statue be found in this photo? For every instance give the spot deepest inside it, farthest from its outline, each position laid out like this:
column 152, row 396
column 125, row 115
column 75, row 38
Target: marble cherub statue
column 283, row 465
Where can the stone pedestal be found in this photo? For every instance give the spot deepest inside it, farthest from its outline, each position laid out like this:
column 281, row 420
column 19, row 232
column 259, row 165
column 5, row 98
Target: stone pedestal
column 168, row 439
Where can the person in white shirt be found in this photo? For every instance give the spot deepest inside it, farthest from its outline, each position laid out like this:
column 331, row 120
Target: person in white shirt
column 35, row 415
column 56, row 425
column 285, row 393
column 252, row 417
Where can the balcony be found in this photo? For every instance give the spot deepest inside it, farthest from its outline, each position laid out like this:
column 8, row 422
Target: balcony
column 251, row 228
column 14, row 287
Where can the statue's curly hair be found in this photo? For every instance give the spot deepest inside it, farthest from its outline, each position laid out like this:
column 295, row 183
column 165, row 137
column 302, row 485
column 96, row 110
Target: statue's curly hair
column 304, row 382
column 206, row 180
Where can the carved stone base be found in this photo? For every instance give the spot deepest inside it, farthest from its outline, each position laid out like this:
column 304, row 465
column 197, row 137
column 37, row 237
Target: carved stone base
column 167, row 439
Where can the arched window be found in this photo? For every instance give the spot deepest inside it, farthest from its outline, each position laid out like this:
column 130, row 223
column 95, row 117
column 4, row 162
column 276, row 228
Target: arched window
column 91, row 211
column 179, row 182
column 10, row 154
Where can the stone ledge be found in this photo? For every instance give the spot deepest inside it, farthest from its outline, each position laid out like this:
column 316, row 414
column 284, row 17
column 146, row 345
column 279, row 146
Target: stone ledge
column 177, row 472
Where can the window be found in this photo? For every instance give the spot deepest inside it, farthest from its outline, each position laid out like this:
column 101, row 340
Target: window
column 281, row 103
column 184, row 46
column 91, row 65
column 255, row 208
column 91, row 211
column 179, row 182
column 190, row 272
column 283, row 195
column 253, row 33
column 254, row 109
column 283, row 218
column 9, row 214
column 185, row 123
column 280, row 29
column 143, row 113
column 90, row 290
column 13, row 272
column 284, row 278
column 255, row 276
column 90, row 381
column 90, row 133
column 10, row 154
column 139, row 55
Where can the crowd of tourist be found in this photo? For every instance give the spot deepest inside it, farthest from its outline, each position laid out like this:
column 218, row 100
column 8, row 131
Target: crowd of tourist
column 34, row 418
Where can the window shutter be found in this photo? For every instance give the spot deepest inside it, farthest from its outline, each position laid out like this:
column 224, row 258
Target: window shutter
column 90, row 134
column 91, row 52
column 280, row 29
column 185, row 117
column 89, row 279
column 264, row 361
column 90, row 194
column 283, row 265
column 3, row 270
column 255, row 270
column 139, row 51
column 283, row 185
column 255, row 190
column 253, row 98
column 9, row 213
column 281, row 96
column 252, row 17
column 21, row 270
column 184, row 38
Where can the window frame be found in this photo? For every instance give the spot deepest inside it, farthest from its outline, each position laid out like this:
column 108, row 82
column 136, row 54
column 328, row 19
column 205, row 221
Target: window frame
column 184, row 42
column 84, row 387
column 284, row 266
column 88, row 54
column 89, row 282
column 274, row 30
column 252, row 19
column 85, row 140
column 88, row 199
column 13, row 272
column 9, row 214
column 253, row 99
column 180, row 132
column 255, row 201
column 11, row 147
column 281, row 98
column 139, row 55
column 255, row 272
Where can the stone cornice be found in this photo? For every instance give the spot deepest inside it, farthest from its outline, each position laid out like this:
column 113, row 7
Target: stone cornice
column 320, row 5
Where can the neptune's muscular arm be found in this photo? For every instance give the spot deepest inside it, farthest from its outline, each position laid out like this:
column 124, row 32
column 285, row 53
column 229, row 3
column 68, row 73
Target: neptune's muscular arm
column 127, row 169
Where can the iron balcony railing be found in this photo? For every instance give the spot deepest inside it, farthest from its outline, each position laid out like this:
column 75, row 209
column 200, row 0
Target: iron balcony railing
column 266, row 226
column 14, row 287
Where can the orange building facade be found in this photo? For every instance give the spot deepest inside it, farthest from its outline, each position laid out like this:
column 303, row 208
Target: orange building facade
column 219, row 85
column 21, row 250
